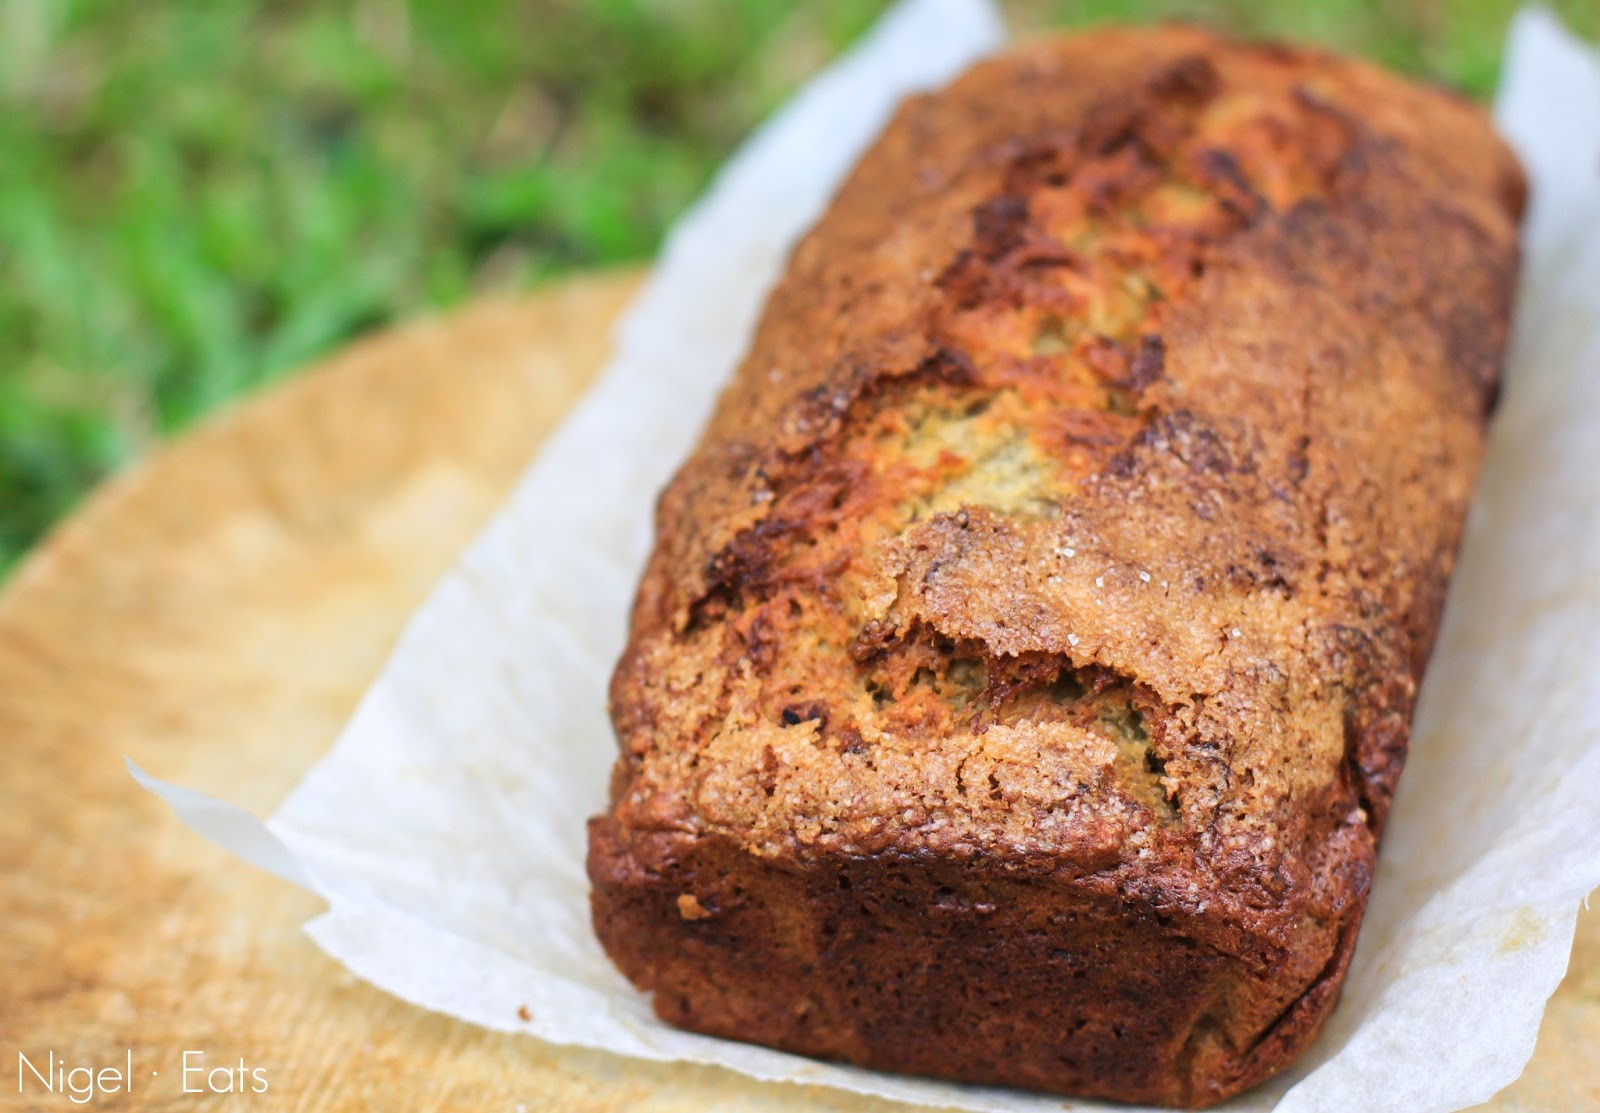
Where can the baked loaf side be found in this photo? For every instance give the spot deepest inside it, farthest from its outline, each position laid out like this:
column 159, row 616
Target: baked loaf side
column 1025, row 664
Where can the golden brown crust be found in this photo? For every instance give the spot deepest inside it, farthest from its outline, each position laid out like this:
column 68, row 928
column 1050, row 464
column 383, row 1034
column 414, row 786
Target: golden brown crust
column 1026, row 661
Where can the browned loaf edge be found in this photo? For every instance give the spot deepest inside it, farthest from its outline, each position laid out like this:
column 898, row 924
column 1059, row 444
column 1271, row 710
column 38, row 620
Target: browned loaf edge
column 1025, row 664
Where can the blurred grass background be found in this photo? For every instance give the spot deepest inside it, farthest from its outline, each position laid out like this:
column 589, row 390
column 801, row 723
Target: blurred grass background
column 195, row 197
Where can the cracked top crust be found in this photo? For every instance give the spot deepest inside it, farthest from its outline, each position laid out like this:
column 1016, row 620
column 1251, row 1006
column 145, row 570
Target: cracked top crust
column 1088, row 495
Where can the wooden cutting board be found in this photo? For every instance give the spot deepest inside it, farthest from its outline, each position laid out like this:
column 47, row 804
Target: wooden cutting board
column 215, row 613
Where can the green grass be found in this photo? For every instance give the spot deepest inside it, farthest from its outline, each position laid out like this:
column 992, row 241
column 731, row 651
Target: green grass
column 196, row 197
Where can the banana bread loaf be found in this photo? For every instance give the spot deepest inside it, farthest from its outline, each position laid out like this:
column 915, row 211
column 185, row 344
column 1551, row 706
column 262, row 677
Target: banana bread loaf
column 1024, row 667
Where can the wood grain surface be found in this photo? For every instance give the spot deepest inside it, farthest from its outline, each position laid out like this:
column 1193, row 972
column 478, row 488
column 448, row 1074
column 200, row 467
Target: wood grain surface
column 215, row 614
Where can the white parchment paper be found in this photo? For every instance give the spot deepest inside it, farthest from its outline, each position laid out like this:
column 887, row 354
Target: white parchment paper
column 446, row 826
